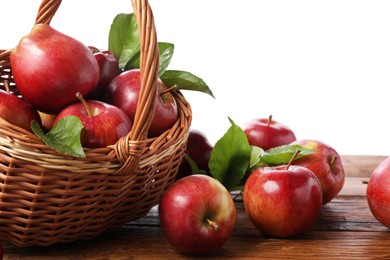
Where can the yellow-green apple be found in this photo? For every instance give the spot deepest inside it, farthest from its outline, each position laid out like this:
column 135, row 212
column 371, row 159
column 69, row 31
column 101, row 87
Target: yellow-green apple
column 16, row 111
column 282, row 201
column 123, row 92
column 199, row 150
column 49, row 67
column 326, row 164
column 378, row 192
column 267, row 133
column 109, row 69
column 197, row 214
column 103, row 123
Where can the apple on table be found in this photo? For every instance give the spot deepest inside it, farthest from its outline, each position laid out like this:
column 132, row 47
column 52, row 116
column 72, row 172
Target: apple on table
column 197, row 214
column 267, row 133
column 326, row 164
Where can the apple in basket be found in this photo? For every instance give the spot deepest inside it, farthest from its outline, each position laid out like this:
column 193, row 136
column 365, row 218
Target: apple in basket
column 268, row 133
column 103, row 123
column 49, row 67
column 17, row 111
column 123, row 92
column 197, row 214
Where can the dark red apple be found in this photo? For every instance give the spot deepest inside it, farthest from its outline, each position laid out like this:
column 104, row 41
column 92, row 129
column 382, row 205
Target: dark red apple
column 282, row 201
column 17, row 111
column 326, row 164
column 378, row 192
column 103, row 123
column 197, row 214
column 199, row 150
column 267, row 133
column 49, row 67
column 123, row 92
column 109, row 69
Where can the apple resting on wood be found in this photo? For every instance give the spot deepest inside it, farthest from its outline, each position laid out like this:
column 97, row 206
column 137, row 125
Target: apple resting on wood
column 267, row 133
column 197, row 214
column 282, row 201
column 326, row 164
column 49, row 68
column 123, row 92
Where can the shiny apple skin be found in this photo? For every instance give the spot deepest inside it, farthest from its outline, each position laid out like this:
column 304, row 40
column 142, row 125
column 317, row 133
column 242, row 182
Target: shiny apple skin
column 104, row 128
column 282, row 203
column 16, row 111
column 49, row 68
column 326, row 164
column 378, row 192
column 187, row 204
column 262, row 133
column 123, row 92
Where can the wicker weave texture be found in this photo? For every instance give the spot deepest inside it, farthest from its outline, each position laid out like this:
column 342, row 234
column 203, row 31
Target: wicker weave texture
column 47, row 198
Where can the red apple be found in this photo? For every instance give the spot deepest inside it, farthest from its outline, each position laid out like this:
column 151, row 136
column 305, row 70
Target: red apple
column 197, row 214
column 282, row 201
column 123, row 92
column 199, row 150
column 378, row 192
column 326, row 164
column 109, row 69
column 17, row 111
column 103, row 123
column 49, row 67
column 267, row 133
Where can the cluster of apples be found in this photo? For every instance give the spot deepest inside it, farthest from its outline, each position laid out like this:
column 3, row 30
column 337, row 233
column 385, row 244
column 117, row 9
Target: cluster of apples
column 58, row 76
column 198, row 214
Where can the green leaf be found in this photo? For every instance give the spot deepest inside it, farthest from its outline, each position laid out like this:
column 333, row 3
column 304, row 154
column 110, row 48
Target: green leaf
column 230, row 157
column 185, row 80
column 64, row 137
column 283, row 154
column 166, row 52
column 123, row 39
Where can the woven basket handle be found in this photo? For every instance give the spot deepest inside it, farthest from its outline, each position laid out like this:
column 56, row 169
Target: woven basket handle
column 149, row 66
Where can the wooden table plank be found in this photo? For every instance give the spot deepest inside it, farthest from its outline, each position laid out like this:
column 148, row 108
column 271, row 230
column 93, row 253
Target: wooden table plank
column 345, row 229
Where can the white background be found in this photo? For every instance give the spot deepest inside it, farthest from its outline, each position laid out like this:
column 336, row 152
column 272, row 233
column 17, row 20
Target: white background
column 320, row 67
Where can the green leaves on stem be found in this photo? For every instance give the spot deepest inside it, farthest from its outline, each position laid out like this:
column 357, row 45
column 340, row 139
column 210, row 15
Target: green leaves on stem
column 233, row 159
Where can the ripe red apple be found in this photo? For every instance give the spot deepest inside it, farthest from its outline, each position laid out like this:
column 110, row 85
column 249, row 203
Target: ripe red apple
column 378, row 192
column 49, row 67
column 282, row 201
column 109, row 69
column 103, row 123
column 199, row 150
column 197, row 214
column 17, row 111
column 326, row 164
column 123, row 92
column 267, row 133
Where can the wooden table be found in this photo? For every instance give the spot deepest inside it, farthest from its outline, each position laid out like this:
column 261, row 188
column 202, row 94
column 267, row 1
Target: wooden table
column 345, row 229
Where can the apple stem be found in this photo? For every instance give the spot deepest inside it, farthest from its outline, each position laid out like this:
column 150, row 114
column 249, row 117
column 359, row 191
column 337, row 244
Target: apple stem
column 334, row 158
column 297, row 151
column 269, row 120
column 212, row 223
column 81, row 98
column 6, row 85
column 168, row 90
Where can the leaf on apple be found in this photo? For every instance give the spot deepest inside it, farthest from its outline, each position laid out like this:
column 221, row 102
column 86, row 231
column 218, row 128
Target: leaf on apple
column 230, row 157
column 123, row 39
column 64, row 137
column 282, row 154
column 185, row 80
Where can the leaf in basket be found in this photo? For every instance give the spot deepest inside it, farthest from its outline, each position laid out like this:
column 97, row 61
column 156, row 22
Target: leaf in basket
column 64, row 137
column 230, row 157
column 185, row 80
column 166, row 52
column 123, row 39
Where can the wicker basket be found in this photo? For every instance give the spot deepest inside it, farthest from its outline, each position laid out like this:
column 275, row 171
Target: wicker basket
column 47, row 197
